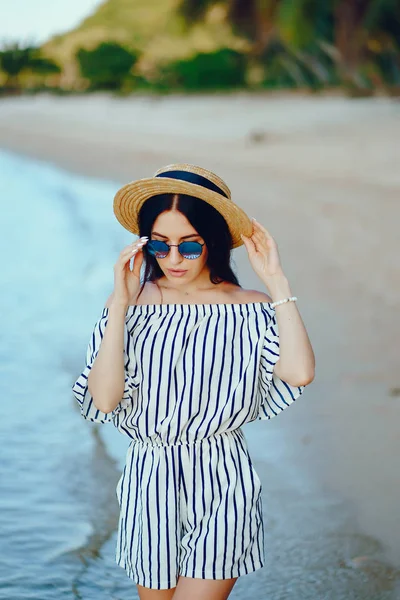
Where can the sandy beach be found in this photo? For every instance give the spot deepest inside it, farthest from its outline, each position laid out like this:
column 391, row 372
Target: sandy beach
column 323, row 175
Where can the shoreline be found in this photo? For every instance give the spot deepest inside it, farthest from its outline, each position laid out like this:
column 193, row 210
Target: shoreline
column 323, row 175
column 296, row 136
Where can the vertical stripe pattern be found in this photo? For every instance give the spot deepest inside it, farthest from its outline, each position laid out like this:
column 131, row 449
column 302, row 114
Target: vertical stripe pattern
column 189, row 495
column 80, row 388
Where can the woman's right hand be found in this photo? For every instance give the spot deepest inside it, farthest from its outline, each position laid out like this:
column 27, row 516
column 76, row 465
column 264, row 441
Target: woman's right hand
column 127, row 282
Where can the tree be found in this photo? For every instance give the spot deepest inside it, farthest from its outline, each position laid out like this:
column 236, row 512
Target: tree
column 17, row 58
column 222, row 69
column 107, row 66
column 254, row 19
column 313, row 33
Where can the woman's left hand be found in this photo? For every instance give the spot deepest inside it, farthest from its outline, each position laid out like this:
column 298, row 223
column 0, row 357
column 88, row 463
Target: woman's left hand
column 263, row 252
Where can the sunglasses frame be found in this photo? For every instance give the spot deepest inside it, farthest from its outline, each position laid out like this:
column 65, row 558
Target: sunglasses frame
column 177, row 246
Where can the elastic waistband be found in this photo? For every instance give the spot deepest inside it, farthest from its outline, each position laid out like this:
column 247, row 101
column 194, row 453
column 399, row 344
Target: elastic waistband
column 235, row 433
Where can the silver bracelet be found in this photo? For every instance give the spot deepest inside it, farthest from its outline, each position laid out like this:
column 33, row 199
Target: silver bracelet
column 291, row 299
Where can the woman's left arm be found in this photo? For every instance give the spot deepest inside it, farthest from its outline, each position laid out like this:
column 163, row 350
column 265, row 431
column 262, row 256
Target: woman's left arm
column 296, row 364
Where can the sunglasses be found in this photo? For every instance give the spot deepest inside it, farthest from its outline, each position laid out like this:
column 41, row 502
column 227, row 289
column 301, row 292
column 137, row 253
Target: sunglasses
column 159, row 249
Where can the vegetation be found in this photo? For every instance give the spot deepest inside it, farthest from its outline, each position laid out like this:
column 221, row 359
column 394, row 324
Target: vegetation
column 156, row 32
column 107, row 66
column 223, row 69
column 169, row 45
column 17, row 60
column 316, row 43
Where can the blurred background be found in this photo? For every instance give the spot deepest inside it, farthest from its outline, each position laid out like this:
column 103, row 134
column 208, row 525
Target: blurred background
column 192, row 45
column 296, row 105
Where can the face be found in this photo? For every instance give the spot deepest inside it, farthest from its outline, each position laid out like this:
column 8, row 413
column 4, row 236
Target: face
column 173, row 227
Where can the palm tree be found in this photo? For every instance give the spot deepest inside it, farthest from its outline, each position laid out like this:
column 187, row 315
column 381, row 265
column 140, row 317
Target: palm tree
column 306, row 31
column 354, row 23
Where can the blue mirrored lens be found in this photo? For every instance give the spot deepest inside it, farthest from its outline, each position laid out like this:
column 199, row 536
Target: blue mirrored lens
column 160, row 249
column 190, row 249
column 157, row 248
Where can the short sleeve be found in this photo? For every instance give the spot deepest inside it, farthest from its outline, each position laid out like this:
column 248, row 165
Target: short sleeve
column 273, row 394
column 80, row 388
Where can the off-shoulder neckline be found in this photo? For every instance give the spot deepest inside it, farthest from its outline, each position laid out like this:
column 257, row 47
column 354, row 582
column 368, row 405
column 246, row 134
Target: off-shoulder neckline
column 185, row 306
column 201, row 304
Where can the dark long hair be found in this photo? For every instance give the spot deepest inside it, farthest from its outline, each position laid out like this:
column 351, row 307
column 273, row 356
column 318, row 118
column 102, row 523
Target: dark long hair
column 208, row 223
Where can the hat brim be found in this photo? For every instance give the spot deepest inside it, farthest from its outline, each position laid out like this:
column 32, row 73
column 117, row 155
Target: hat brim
column 129, row 199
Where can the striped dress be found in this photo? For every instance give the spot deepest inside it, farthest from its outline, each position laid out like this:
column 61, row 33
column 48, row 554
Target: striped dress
column 189, row 495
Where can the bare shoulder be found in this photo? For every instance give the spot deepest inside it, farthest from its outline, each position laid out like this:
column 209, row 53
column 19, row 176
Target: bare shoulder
column 236, row 294
column 233, row 293
column 150, row 294
column 254, row 296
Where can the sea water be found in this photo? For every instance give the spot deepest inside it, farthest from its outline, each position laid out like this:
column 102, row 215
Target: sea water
column 58, row 507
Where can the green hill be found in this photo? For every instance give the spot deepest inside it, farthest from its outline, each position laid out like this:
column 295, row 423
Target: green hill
column 158, row 32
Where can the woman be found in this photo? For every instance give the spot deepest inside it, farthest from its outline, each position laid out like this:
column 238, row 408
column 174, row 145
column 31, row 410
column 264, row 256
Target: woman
column 179, row 363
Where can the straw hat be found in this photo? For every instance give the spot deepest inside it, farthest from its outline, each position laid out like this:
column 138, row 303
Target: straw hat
column 182, row 179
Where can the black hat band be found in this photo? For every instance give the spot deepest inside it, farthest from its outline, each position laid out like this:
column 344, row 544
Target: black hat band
column 193, row 178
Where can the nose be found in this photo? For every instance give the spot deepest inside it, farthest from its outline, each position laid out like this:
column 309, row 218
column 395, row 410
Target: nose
column 175, row 257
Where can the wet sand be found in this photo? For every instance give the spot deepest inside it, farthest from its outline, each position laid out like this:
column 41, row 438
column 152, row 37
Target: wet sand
column 323, row 175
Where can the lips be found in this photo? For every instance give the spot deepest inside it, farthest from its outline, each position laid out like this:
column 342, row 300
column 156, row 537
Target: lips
column 176, row 271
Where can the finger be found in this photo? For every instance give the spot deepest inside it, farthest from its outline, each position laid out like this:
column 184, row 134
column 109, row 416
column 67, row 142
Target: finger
column 132, row 248
column 136, row 255
column 137, row 247
column 248, row 242
column 260, row 248
column 140, row 242
column 260, row 227
column 137, row 242
column 137, row 264
column 260, row 239
column 256, row 240
column 259, row 235
column 264, row 239
column 126, row 256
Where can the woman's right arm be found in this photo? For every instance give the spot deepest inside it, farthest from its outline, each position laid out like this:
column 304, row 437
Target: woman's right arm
column 106, row 380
